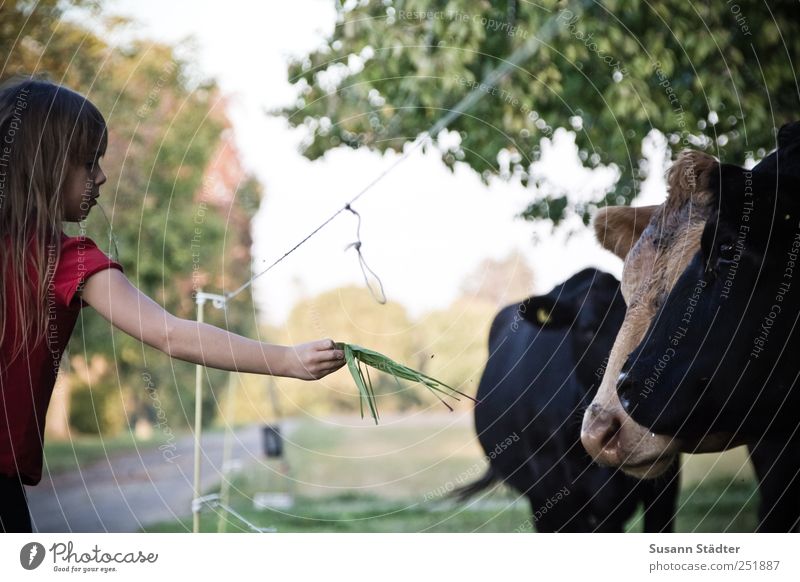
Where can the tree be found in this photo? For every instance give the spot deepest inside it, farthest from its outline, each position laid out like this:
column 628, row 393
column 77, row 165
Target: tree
column 453, row 343
column 717, row 76
column 500, row 282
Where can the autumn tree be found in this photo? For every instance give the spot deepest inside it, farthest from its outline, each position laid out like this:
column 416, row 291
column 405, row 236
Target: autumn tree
column 178, row 223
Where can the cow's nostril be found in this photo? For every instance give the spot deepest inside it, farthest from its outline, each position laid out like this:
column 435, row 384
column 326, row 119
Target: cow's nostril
column 611, row 431
column 600, row 434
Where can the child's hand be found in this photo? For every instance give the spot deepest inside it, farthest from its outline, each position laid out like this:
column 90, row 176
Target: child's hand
column 314, row 360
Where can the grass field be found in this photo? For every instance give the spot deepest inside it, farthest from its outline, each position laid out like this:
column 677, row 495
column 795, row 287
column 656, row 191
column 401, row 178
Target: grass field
column 346, row 475
column 82, row 450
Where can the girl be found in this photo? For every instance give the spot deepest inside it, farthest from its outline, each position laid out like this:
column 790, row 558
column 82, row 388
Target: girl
column 51, row 143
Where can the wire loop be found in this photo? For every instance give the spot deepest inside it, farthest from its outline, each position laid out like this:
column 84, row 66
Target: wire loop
column 365, row 269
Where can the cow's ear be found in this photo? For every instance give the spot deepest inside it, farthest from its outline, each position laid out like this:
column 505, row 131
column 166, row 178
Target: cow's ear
column 561, row 305
column 552, row 310
column 618, row 228
column 788, row 135
column 689, row 176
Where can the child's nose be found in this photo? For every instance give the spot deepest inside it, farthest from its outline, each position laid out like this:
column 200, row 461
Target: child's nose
column 101, row 178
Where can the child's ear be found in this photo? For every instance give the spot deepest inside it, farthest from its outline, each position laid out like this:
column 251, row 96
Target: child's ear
column 618, row 228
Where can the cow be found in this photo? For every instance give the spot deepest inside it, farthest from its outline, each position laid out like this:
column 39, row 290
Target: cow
column 546, row 358
column 703, row 359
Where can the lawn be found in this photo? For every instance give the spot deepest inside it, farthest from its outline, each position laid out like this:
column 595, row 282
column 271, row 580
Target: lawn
column 346, row 475
column 85, row 449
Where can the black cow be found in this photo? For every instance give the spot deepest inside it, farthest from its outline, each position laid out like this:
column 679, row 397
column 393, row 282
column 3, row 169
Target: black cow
column 732, row 370
column 546, row 356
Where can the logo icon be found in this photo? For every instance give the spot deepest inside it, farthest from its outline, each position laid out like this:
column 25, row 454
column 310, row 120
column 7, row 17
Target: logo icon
column 31, row 555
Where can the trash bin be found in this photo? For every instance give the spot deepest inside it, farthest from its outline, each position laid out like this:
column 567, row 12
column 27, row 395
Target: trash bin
column 272, row 440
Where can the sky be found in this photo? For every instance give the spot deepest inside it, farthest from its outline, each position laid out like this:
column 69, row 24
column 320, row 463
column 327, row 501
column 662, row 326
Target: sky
column 424, row 228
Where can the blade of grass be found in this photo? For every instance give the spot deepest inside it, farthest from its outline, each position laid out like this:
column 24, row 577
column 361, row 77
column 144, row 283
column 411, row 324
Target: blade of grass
column 352, row 366
column 372, row 390
column 358, row 357
column 381, row 362
column 373, row 404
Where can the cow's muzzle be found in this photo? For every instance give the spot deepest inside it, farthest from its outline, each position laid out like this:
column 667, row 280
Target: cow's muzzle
column 600, row 435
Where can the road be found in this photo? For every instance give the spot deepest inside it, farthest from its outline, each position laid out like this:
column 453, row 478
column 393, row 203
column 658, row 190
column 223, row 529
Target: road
column 130, row 490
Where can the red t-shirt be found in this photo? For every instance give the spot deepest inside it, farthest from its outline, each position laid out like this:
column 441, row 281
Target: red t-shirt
column 26, row 383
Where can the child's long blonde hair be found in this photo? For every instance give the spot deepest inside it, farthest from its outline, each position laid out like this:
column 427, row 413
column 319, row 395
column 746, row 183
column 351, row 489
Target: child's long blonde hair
column 44, row 129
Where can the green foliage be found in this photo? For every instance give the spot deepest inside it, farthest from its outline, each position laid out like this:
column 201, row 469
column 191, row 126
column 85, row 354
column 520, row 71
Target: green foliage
column 717, row 76
column 96, row 410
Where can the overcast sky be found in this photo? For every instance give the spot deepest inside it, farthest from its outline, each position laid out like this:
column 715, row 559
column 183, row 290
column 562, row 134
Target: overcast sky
column 424, row 228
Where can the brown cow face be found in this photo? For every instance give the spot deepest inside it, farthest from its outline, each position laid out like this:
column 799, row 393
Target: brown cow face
column 657, row 243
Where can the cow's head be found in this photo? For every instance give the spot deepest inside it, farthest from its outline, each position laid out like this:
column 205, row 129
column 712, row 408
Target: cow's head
column 657, row 243
column 588, row 305
column 718, row 356
column 688, row 281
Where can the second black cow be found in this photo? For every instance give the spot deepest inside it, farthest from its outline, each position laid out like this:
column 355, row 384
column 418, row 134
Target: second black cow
column 546, row 357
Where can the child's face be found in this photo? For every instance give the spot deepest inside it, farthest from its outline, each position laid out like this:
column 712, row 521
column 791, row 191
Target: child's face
column 81, row 189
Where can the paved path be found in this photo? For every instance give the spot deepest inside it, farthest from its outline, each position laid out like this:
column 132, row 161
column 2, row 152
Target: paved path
column 134, row 489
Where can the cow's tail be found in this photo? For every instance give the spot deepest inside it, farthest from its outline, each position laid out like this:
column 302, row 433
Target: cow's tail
column 470, row 490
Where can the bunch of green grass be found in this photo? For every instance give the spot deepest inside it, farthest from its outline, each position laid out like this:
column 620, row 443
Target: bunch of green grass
column 360, row 360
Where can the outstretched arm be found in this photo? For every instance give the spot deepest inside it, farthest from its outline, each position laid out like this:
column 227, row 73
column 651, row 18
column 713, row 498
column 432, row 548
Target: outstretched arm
column 128, row 309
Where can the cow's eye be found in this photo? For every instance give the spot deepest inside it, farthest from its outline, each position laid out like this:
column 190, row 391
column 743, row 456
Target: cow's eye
column 722, row 259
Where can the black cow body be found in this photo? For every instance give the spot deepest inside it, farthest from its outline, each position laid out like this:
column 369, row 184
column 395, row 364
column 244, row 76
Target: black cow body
column 546, row 356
